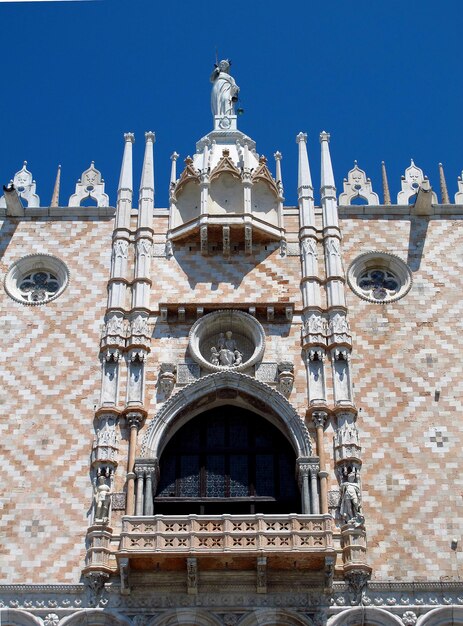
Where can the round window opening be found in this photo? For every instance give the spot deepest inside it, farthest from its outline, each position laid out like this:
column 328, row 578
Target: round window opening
column 36, row 279
column 379, row 277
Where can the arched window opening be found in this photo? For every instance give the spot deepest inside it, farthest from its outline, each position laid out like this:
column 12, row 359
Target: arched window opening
column 227, row 460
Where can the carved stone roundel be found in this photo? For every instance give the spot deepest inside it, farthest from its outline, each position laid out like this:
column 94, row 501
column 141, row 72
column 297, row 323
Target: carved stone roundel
column 379, row 277
column 36, row 279
column 227, row 339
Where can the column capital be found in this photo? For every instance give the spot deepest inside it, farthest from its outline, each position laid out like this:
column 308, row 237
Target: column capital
column 135, row 419
column 319, row 418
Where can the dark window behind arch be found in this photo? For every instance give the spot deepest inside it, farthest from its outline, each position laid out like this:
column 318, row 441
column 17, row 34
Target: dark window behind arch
column 227, row 460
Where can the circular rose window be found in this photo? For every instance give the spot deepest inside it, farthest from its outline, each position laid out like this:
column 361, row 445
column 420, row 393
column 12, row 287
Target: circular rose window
column 379, row 277
column 227, row 340
column 36, row 279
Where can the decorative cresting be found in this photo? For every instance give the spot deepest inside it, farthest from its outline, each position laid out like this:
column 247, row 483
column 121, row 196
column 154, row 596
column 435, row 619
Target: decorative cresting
column 227, row 339
column 411, row 182
column 90, row 185
column 379, row 277
column 459, row 194
column 25, row 186
column 357, row 185
column 256, row 395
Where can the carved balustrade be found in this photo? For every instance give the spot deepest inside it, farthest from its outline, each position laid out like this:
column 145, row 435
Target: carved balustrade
column 224, row 534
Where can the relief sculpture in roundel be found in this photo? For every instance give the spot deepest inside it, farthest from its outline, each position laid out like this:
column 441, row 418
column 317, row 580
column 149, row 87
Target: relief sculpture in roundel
column 227, row 340
column 226, row 352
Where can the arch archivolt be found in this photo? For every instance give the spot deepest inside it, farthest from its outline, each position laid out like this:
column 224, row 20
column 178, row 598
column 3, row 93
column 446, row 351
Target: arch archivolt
column 274, row 617
column 221, row 388
column 185, row 617
column 365, row 616
column 95, row 617
column 442, row 616
column 17, row 617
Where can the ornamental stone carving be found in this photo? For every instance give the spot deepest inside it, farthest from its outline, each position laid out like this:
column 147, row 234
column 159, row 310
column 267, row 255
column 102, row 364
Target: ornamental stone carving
column 285, row 378
column 227, row 340
column 51, row 620
column 167, row 378
column 357, row 185
column 409, row 618
column 25, row 186
column 90, row 185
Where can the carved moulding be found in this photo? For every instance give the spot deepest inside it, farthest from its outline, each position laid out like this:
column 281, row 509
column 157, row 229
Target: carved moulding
column 238, row 333
column 227, row 386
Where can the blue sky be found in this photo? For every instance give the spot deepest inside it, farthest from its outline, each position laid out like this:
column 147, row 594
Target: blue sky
column 383, row 77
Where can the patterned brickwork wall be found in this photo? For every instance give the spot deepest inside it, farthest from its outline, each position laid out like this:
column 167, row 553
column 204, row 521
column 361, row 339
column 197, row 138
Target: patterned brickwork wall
column 409, row 385
column 52, row 382
column 189, row 277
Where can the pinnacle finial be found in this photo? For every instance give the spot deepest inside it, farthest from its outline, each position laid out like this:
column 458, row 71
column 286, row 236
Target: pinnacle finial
column 55, row 197
column 301, row 137
column 386, row 194
column 125, row 179
column 443, row 186
column 324, row 136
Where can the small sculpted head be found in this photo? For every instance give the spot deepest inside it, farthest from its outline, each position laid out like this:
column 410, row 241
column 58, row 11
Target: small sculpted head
column 224, row 65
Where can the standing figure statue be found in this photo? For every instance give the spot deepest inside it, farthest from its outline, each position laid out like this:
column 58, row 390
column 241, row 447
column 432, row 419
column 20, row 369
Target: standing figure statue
column 224, row 90
column 351, row 504
column 101, row 493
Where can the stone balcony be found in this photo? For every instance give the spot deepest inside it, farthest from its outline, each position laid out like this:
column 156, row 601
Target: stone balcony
column 227, row 541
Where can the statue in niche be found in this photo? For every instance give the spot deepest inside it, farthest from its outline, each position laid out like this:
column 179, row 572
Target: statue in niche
column 226, row 352
column 101, row 494
column 351, row 502
column 224, row 90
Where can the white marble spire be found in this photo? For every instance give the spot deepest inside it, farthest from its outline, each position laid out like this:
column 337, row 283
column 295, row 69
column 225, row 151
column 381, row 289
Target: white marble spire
column 327, row 176
column 328, row 187
column 304, row 184
column 125, row 188
column 126, row 179
column 147, row 177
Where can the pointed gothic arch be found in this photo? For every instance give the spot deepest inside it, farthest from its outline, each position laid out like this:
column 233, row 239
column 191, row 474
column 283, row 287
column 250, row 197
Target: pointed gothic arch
column 226, row 388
